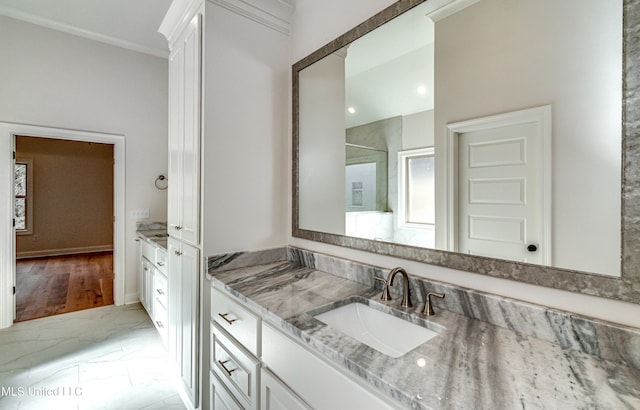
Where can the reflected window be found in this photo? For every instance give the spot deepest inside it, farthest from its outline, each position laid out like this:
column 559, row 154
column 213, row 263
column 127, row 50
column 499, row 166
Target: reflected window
column 417, row 188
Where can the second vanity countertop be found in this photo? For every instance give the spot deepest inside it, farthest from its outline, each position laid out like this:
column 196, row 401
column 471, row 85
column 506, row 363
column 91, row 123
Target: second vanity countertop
column 470, row 364
column 154, row 233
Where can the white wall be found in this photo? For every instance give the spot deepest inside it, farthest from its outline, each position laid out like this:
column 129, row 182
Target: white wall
column 53, row 79
column 321, row 145
column 246, row 78
column 316, row 23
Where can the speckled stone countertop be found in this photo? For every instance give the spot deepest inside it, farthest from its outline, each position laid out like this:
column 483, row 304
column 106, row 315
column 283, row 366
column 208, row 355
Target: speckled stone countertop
column 153, row 232
column 470, row 364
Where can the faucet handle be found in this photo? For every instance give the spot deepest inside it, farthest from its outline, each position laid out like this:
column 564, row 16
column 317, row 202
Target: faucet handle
column 428, row 308
column 386, row 296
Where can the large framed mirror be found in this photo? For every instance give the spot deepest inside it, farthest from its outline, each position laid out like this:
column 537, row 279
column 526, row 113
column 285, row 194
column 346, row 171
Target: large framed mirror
column 490, row 136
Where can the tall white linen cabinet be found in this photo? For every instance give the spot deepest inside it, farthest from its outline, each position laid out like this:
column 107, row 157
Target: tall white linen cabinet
column 228, row 122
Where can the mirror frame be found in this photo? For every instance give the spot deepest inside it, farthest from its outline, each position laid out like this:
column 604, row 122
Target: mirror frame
column 625, row 288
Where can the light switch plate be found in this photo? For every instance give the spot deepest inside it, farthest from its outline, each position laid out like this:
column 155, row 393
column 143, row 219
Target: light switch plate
column 139, row 214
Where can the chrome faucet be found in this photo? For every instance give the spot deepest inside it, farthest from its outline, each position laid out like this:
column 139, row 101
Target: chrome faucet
column 406, row 298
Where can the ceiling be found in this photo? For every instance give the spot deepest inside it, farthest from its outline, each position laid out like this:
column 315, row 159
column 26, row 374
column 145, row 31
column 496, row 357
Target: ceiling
column 385, row 68
column 132, row 24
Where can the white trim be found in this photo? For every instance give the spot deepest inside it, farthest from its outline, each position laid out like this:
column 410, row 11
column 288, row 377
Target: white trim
column 178, row 16
column 81, row 32
column 274, row 14
column 441, row 9
column 541, row 116
column 131, row 298
column 7, row 252
column 65, row 251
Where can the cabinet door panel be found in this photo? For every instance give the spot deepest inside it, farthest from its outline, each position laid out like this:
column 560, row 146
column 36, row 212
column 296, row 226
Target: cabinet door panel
column 184, row 268
column 176, row 135
column 277, row 396
column 191, row 144
column 184, row 134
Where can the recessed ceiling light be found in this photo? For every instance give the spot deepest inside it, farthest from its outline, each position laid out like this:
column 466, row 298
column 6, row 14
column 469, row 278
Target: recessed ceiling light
column 422, row 90
column 351, row 110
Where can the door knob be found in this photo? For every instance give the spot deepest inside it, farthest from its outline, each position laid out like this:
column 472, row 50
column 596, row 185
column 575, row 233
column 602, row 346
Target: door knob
column 532, row 248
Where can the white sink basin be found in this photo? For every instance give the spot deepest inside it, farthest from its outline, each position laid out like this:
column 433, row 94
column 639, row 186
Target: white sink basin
column 385, row 333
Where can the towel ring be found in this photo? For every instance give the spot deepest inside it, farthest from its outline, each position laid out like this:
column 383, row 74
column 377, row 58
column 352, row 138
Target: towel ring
column 162, row 182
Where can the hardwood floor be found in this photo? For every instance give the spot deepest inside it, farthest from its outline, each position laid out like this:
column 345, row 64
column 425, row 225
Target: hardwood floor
column 62, row 284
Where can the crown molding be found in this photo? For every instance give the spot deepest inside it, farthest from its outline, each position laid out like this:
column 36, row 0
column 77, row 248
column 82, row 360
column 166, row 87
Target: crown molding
column 274, row 14
column 80, row 32
column 179, row 14
column 437, row 10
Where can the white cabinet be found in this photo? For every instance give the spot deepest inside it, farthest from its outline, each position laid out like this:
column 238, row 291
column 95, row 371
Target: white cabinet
column 236, row 367
column 304, row 373
column 291, row 376
column 153, row 286
column 183, row 28
column 184, row 134
column 277, row 396
column 221, row 399
column 183, row 302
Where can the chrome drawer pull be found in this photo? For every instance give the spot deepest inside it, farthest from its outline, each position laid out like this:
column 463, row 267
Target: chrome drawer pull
column 224, row 316
column 160, row 325
column 160, row 291
column 160, row 263
column 225, row 367
column 178, row 253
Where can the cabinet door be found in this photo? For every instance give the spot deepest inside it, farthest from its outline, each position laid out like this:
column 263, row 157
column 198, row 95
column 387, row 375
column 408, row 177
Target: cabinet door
column 140, row 272
column 276, row 396
column 184, row 134
column 184, row 268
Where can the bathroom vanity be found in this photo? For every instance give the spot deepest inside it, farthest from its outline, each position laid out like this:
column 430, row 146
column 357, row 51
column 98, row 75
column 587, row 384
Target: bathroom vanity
column 152, row 274
column 489, row 351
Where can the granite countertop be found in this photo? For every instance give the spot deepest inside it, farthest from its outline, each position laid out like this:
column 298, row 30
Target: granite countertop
column 470, row 364
column 153, row 232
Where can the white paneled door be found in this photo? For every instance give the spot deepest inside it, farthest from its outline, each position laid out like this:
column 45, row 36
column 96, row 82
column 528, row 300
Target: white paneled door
column 500, row 192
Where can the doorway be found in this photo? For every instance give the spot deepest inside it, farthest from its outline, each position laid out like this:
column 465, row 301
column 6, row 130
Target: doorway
column 64, row 226
column 499, row 184
column 8, row 132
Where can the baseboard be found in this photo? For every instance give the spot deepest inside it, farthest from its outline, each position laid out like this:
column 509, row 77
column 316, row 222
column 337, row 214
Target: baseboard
column 66, row 251
column 131, row 298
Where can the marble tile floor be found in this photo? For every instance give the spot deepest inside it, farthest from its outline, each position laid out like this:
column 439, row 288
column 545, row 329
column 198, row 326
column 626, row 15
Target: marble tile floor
column 104, row 358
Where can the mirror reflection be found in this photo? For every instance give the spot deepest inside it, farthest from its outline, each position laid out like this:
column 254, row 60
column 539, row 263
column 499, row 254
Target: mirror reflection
column 487, row 127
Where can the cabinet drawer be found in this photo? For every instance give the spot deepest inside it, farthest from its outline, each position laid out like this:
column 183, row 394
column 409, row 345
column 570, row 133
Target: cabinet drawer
column 220, row 397
column 161, row 320
column 160, row 287
column 236, row 367
column 237, row 320
column 161, row 260
column 148, row 250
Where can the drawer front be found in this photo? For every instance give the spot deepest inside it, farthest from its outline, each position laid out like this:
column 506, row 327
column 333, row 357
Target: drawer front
column 160, row 287
column 236, row 367
column 148, row 250
column 161, row 320
column 221, row 399
column 161, row 260
column 237, row 320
